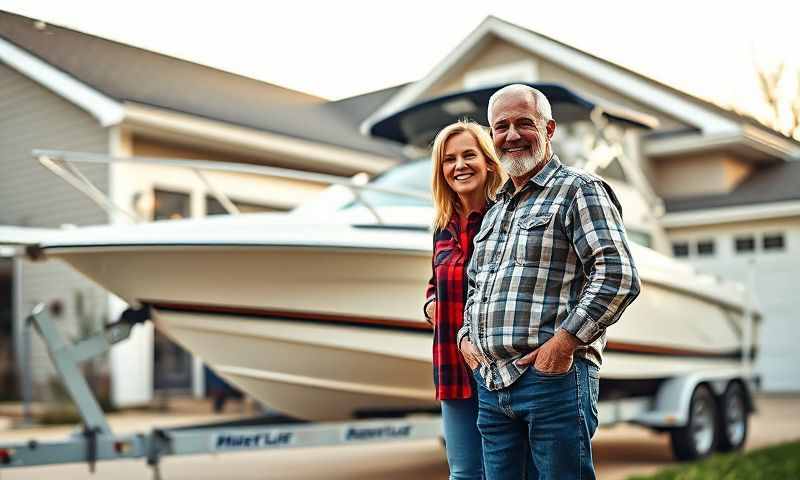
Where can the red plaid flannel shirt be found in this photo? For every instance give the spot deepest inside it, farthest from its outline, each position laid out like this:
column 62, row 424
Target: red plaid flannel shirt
column 452, row 249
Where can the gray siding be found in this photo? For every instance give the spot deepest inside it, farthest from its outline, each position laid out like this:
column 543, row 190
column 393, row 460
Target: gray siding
column 54, row 282
column 34, row 117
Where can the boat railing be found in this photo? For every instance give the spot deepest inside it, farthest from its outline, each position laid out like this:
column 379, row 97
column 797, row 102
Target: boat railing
column 62, row 163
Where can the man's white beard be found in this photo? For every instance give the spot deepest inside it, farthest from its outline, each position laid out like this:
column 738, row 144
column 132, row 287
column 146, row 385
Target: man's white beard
column 517, row 167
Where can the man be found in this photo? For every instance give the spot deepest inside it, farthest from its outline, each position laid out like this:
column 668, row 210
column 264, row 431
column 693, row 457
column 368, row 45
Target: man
column 551, row 270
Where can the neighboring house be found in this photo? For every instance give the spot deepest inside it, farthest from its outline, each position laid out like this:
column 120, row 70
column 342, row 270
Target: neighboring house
column 718, row 172
column 66, row 90
column 751, row 233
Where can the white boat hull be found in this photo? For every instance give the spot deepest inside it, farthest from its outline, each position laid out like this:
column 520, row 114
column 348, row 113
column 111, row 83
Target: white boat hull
column 326, row 334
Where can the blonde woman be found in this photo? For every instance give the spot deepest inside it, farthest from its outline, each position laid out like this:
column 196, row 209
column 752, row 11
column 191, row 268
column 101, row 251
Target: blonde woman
column 466, row 175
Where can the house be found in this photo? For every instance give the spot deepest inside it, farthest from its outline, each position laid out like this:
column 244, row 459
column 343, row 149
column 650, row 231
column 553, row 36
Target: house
column 729, row 184
column 66, row 90
column 750, row 231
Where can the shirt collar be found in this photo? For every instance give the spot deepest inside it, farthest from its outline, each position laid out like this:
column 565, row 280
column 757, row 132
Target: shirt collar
column 541, row 178
column 473, row 217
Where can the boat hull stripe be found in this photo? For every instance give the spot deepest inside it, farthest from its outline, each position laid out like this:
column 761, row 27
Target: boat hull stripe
column 410, row 326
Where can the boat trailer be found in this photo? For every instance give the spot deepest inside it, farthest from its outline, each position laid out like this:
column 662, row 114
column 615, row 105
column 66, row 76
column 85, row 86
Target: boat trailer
column 96, row 442
column 703, row 412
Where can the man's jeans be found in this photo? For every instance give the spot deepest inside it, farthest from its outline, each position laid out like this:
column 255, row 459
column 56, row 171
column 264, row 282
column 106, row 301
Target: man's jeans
column 556, row 413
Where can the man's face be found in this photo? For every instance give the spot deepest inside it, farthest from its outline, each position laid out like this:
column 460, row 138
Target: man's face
column 520, row 136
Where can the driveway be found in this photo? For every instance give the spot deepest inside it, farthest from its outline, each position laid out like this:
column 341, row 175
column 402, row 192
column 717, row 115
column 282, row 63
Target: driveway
column 619, row 452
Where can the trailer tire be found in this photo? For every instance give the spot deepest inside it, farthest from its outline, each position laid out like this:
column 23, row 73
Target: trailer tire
column 733, row 418
column 699, row 437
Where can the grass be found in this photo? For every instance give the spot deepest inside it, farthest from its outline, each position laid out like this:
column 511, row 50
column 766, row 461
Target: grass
column 780, row 462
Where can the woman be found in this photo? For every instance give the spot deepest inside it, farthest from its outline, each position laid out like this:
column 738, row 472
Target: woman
column 466, row 175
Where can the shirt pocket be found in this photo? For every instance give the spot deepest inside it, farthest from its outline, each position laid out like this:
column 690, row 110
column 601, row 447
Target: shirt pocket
column 534, row 239
column 482, row 235
column 481, row 246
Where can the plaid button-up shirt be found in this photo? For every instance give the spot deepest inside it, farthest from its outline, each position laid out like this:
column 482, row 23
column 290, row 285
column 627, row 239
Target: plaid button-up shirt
column 552, row 255
column 452, row 247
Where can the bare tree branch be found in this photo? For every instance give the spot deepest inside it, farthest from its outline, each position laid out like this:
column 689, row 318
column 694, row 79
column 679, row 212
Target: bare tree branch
column 768, row 81
column 795, row 109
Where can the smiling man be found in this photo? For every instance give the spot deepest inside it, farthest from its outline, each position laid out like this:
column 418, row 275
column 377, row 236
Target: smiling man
column 551, row 270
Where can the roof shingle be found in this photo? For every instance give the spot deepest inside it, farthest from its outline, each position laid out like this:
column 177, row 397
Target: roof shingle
column 128, row 73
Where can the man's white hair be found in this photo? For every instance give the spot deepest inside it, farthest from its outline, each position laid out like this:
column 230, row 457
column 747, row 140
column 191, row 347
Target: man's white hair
column 541, row 102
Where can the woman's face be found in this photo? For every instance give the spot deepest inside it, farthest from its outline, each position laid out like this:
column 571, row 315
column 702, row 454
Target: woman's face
column 464, row 165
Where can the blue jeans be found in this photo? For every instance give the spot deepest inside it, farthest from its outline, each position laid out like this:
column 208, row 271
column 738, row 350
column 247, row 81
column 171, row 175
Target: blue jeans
column 556, row 414
column 462, row 439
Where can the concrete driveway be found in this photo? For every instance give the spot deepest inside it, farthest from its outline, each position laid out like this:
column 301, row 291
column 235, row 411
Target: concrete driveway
column 619, row 452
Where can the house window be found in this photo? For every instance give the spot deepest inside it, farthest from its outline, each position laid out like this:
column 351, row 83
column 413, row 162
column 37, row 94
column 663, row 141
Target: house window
column 744, row 244
column 680, row 249
column 705, row 247
column 171, row 205
column 214, row 207
column 773, row 242
column 642, row 238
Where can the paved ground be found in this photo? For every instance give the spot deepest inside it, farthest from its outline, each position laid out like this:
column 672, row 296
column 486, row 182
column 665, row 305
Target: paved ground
column 619, row 452
column 625, row 450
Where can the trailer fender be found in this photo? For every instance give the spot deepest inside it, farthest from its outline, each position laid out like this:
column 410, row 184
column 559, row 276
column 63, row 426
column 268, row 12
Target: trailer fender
column 671, row 402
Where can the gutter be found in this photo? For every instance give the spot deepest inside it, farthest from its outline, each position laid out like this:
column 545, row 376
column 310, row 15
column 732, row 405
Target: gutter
column 712, row 216
column 767, row 144
column 302, row 154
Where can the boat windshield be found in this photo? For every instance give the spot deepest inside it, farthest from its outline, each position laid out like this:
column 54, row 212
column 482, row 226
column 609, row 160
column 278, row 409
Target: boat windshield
column 414, row 176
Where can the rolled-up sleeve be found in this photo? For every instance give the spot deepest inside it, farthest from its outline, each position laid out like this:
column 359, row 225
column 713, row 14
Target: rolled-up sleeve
column 430, row 290
column 430, row 293
column 594, row 223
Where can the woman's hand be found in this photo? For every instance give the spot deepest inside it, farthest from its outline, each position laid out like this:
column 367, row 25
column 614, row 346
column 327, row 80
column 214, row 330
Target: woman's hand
column 430, row 312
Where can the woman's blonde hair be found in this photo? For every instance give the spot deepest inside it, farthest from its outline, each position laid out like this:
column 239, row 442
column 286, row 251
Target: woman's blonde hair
column 444, row 198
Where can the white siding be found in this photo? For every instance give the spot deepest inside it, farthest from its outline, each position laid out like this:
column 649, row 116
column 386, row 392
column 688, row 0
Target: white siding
column 774, row 280
column 33, row 117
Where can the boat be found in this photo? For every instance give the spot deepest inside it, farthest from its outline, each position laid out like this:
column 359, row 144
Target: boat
column 317, row 313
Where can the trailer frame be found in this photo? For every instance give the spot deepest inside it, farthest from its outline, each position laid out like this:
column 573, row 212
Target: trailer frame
column 669, row 410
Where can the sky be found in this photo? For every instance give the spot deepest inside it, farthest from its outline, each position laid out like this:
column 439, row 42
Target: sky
column 336, row 49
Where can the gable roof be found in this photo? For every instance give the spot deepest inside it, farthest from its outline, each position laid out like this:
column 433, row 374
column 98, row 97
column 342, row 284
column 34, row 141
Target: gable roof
column 359, row 107
column 735, row 116
column 708, row 118
column 779, row 182
column 124, row 73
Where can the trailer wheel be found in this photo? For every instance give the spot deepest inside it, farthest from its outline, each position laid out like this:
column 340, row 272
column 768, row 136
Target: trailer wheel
column 699, row 437
column 732, row 418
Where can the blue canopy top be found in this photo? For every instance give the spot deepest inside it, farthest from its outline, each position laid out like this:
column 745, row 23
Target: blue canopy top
column 417, row 125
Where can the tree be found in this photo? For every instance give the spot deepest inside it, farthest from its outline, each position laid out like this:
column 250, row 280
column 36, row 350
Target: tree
column 795, row 109
column 785, row 107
